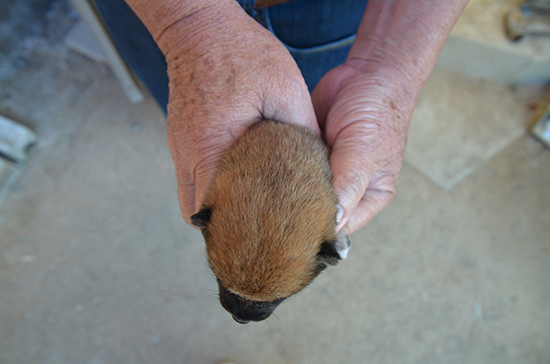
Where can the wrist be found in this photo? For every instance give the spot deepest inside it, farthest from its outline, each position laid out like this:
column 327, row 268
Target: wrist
column 160, row 16
column 206, row 31
column 404, row 38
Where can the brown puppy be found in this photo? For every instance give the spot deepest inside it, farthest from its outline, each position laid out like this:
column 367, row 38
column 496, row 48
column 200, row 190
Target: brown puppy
column 269, row 219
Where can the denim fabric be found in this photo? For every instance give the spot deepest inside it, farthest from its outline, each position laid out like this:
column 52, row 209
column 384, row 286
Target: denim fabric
column 318, row 34
column 312, row 23
column 137, row 47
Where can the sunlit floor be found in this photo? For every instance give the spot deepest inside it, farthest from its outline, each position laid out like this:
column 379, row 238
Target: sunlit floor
column 97, row 266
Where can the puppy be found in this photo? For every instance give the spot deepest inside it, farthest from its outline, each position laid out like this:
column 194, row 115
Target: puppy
column 269, row 219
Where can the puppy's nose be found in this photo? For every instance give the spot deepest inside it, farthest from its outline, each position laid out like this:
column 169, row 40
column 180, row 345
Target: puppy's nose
column 244, row 310
column 240, row 321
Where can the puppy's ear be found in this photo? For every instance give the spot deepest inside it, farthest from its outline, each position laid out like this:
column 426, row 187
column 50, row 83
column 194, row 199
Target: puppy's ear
column 201, row 218
column 332, row 252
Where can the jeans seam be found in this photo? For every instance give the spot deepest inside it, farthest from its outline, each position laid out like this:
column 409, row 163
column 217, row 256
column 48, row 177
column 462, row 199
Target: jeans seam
column 341, row 43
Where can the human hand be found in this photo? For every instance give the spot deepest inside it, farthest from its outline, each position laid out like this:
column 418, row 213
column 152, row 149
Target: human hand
column 226, row 72
column 365, row 114
column 365, row 105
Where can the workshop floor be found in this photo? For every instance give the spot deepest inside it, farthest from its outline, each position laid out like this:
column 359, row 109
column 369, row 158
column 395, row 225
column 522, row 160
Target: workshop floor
column 97, row 266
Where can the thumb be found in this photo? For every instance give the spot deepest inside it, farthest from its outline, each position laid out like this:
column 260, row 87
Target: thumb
column 351, row 175
column 326, row 91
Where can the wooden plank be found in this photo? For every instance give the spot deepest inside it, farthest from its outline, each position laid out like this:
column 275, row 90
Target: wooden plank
column 95, row 26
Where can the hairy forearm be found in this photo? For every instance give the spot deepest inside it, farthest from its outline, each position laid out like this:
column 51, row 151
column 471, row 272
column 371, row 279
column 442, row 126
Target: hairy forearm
column 404, row 36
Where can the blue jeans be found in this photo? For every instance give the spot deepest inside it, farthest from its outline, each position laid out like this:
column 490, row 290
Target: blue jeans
column 318, row 34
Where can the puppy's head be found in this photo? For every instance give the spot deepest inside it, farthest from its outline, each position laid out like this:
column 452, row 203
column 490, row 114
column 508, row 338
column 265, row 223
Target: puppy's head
column 257, row 270
column 269, row 219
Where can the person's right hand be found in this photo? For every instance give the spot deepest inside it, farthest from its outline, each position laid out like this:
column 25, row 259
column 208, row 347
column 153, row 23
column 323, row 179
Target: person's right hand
column 226, row 72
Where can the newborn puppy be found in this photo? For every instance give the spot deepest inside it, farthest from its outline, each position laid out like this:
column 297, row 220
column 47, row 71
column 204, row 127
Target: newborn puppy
column 269, row 219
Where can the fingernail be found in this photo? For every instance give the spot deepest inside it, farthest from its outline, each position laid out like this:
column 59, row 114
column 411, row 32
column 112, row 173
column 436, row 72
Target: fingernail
column 339, row 214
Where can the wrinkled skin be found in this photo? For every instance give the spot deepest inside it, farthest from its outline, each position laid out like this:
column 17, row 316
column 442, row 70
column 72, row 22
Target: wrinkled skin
column 227, row 72
column 368, row 137
column 217, row 91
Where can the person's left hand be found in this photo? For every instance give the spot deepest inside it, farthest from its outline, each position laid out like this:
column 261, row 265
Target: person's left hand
column 365, row 113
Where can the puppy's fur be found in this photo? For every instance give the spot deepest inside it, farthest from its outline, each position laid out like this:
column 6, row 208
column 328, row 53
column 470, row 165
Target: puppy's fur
column 269, row 218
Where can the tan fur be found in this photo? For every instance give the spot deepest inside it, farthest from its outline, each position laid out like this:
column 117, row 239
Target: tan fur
column 272, row 206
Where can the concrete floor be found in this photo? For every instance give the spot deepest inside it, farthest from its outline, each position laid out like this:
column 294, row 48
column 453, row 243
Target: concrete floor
column 97, row 266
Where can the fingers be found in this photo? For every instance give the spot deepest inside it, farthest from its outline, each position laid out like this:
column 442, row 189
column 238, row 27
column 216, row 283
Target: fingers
column 351, row 176
column 366, row 126
column 192, row 188
column 186, row 197
column 372, row 203
column 365, row 173
column 196, row 166
column 362, row 191
column 199, row 140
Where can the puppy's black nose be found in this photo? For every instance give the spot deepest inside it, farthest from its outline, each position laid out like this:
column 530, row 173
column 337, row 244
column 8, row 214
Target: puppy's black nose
column 240, row 321
column 244, row 310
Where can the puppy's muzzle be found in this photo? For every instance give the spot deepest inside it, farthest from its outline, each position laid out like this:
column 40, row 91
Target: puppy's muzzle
column 244, row 310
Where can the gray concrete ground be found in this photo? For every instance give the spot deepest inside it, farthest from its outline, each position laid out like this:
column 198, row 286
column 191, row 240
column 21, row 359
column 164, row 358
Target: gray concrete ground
column 97, row 266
